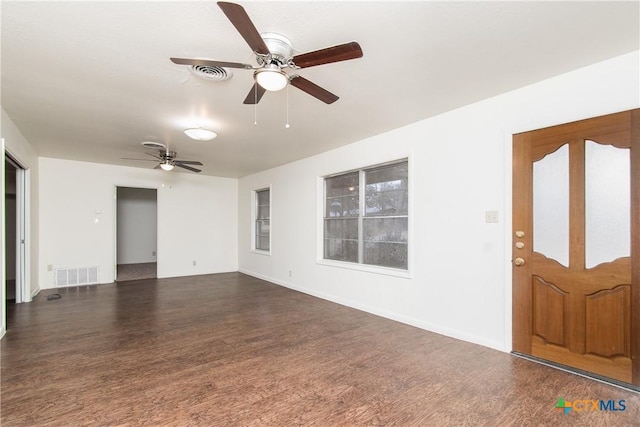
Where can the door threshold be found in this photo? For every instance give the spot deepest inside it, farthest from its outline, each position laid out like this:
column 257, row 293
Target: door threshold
column 579, row 372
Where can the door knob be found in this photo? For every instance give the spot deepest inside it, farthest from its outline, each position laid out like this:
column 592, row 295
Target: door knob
column 518, row 262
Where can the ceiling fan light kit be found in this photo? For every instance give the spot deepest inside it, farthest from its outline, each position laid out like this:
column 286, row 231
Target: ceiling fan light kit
column 167, row 166
column 200, row 134
column 271, row 78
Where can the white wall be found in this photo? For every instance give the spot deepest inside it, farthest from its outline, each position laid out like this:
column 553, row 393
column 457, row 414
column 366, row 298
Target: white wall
column 460, row 167
column 137, row 225
column 197, row 219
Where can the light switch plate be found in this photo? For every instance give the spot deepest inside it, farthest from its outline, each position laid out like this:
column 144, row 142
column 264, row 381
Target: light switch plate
column 491, row 216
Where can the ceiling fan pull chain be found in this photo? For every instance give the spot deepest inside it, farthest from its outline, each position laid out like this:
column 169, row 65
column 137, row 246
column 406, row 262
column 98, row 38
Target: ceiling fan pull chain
column 255, row 104
column 286, row 126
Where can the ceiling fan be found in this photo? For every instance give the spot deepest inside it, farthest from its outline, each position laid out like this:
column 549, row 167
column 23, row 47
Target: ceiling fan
column 274, row 54
column 167, row 161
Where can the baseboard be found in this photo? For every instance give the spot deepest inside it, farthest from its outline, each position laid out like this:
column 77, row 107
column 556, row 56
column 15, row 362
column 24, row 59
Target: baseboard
column 427, row 326
column 3, row 331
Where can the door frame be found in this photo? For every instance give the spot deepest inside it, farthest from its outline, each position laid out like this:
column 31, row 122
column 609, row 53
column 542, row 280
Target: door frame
column 23, row 233
column 519, row 320
column 115, row 225
column 23, row 215
column 635, row 247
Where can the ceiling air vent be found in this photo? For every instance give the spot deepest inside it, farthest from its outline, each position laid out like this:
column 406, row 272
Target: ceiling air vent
column 153, row 145
column 206, row 72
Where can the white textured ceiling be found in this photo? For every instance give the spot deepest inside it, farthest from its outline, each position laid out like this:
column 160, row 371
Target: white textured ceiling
column 90, row 80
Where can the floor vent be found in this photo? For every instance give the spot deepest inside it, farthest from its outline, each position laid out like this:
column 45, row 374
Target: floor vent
column 76, row 276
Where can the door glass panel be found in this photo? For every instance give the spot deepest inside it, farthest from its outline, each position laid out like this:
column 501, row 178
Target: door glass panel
column 551, row 205
column 607, row 199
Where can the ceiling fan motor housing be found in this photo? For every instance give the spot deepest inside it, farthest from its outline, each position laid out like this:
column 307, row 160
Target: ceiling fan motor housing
column 280, row 48
column 167, row 155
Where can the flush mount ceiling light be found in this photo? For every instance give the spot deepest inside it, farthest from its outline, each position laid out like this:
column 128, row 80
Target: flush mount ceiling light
column 200, row 134
column 271, row 78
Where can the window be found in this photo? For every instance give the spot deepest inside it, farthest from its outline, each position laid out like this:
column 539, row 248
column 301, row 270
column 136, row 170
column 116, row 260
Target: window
column 342, row 210
column 366, row 216
column 263, row 217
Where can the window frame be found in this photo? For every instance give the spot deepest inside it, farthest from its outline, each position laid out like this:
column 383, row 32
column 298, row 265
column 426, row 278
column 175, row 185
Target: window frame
column 360, row 265
column 254, row 221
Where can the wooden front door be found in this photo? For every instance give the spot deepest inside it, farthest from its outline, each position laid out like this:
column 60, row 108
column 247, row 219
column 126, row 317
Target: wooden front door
column 576, row 245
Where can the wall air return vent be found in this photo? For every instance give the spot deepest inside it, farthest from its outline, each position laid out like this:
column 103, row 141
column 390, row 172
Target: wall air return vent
column 75, row 276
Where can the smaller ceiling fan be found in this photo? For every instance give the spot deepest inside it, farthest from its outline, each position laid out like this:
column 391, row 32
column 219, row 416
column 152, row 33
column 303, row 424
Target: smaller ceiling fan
column 167, row 161
column 274, row 53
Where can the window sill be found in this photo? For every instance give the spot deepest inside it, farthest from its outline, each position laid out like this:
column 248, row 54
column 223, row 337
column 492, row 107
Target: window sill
column 387, row 271
column 261, row 252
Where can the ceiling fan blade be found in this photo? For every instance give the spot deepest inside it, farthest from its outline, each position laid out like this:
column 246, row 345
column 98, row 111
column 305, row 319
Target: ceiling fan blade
column 255, row 94
column 210, row 63
column 158, row 167
column 188, row 162
column 245, row 27
column 153, row 155
column 338, row 53
column 188, row 168
column 313, row 89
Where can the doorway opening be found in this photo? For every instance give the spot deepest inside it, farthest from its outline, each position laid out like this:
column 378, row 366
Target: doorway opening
column 136, row 234
column 10, row 230
column 15, row 213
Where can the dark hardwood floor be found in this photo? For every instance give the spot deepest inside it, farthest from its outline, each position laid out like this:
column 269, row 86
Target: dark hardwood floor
column 232, row 350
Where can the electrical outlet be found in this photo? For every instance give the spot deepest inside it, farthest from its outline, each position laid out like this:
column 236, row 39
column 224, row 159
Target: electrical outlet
column 153, row 253
column 194, row 263
column 289, row 273
column 50, row 267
